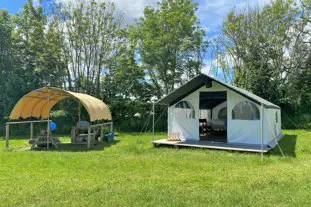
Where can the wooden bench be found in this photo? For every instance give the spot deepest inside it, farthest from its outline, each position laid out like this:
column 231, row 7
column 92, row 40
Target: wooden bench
column 41, row 141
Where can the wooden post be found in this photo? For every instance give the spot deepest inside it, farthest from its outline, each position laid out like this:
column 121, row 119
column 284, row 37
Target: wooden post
column 111, row 127
column 89, row 138
column 31, row 131
column 79, row 111
column 48, row 127
column 7, row 134
column 48, row 135
column 101, row 132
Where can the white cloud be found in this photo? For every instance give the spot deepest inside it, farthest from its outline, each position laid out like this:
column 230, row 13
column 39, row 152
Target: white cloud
column 133, row 9
column 130, row 9
column 211, row 12
column 206, row 69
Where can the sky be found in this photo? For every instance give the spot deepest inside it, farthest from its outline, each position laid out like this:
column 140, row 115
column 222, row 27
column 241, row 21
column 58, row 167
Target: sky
column 210, row 12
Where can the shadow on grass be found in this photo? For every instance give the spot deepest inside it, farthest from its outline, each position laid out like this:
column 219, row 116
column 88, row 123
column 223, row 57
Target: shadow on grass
column 288, row 146
column 68, row 147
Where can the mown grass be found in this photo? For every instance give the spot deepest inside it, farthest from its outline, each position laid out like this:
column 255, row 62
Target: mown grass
column 131, row 172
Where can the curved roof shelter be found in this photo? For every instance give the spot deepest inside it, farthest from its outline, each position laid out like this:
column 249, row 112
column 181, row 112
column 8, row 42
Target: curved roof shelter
column 39, row 103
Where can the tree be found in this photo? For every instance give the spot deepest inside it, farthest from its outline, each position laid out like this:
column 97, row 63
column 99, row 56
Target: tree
column 125, row 78
column 36, row 49
column 30, row 54
column 258, row 41
column 171, row 43
column 6, row 60
column 90, row 40
column 270, row 49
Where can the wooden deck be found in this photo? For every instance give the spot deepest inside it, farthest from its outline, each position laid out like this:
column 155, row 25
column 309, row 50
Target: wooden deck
column 213, row 145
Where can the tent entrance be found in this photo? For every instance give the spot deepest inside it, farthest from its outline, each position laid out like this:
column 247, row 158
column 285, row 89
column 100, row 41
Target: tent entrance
column 213, row 116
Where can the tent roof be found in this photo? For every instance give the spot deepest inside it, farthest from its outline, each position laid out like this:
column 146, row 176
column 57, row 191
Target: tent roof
column 199, row 81
column 39, row 103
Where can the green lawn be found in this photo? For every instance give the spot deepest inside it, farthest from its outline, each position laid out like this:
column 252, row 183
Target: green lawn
column 131, row 172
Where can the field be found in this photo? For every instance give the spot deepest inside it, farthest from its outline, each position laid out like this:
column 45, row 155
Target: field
column 130, row 172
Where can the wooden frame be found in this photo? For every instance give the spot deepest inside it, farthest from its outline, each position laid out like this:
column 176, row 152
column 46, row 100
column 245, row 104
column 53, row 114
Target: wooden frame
column 7, row 130
column 101, row 131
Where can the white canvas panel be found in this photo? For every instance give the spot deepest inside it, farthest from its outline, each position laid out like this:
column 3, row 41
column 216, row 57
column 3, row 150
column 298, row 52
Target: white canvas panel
column 272, row 126
column 244, row 131
column 187, row 128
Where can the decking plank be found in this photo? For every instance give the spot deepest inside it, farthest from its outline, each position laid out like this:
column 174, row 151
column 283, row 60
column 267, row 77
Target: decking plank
column 213, row 145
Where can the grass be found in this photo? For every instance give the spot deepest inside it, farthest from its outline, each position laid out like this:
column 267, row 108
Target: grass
column 131, row 172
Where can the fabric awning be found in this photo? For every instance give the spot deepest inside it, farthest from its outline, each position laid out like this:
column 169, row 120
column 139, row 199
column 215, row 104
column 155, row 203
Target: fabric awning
column 39, row 103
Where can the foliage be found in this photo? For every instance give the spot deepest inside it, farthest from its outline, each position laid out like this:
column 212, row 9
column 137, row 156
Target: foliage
column 270, row 55
column 6, row 59
column 90, row 33
column 130, row 172
column 171, row 43
column 84, row 46
column 32, row 55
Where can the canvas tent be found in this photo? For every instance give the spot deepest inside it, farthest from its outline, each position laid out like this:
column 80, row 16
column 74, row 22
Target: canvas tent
column 232, row 113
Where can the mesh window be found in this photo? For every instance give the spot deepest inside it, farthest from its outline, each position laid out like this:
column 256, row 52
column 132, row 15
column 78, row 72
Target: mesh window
column 184, row 109
column 245, row 110
column 222, row 114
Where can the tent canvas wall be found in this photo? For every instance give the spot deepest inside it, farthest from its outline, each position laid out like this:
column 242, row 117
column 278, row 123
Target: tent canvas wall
column 263, row 128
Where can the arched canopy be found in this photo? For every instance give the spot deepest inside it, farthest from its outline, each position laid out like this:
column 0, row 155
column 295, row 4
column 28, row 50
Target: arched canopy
column 39, row 103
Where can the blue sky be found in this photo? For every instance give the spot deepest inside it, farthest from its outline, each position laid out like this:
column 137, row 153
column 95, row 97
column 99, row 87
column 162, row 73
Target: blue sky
column 210, row 12
column 12, row 6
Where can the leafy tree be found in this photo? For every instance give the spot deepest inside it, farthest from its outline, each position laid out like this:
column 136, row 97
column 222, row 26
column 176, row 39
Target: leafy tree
column 6, row 60
column 90, row 39
column 271, row 53
column 171, row 43
column 257, row 40
column 36, row 48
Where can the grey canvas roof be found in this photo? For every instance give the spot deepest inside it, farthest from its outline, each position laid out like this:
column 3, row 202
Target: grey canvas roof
column 199, row 81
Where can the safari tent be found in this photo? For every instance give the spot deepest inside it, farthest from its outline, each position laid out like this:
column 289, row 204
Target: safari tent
column 206, row 112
